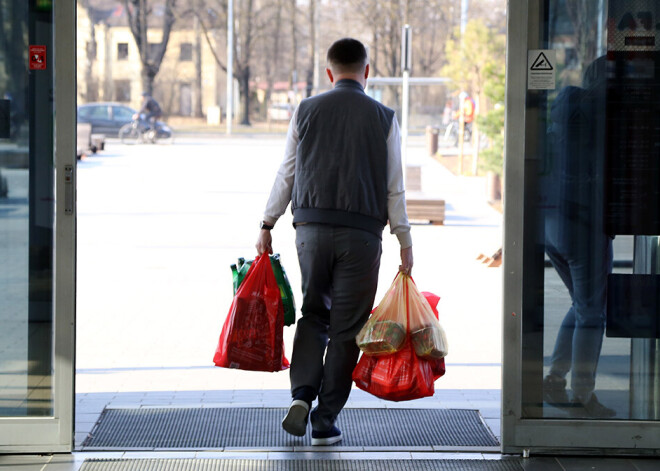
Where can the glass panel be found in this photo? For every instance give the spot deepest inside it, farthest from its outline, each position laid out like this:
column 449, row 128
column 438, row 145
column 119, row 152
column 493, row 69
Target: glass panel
column 122, row 113
column 99, row 112
column 590, row 324
column 26, row 209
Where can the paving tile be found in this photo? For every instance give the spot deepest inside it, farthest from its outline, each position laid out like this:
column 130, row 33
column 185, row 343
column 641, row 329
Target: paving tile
column 23, row 462
column 161, row 454
column 306, row 455
column 84, row 427
column 64, row 463
column 238, row 455
column 337, row 448
column 495, row 426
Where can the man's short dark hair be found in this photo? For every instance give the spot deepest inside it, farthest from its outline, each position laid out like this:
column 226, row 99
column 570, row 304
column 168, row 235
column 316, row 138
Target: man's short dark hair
column 347, row 55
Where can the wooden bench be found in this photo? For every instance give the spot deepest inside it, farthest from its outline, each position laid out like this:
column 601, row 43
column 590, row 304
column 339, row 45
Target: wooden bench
column 425, row 208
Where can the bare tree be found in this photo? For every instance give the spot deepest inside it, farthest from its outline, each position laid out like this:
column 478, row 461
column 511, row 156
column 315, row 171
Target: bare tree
column 272, row 50
column 151, row 55
column 197, row 59
column 312, row 46
column 293, row 11
column 250, row 26
column 90, row 92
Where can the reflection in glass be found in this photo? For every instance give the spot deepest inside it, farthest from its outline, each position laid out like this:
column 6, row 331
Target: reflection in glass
column 26, row 216
column 594, row 219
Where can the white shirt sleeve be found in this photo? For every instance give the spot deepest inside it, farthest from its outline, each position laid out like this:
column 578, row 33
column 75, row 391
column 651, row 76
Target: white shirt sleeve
column 280, row 194
column 396, row 192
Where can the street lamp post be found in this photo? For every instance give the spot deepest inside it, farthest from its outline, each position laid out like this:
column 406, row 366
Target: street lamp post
column 230, row 64
column 406, row 61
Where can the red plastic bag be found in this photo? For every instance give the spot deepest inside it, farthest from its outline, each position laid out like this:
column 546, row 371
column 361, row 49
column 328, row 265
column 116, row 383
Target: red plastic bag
column 403, row 375
column 400, row 376
column 252, row 335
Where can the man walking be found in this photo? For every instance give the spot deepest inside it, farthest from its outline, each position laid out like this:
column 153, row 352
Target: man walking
column 342, row 174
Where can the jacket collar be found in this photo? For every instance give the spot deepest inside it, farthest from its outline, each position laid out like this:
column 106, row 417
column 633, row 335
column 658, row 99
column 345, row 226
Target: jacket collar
column 349, row 83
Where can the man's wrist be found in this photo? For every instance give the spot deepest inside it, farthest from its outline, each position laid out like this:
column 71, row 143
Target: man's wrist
column 265, row 225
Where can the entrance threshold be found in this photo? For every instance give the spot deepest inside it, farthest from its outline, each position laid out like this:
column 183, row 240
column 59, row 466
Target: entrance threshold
column 194, row 420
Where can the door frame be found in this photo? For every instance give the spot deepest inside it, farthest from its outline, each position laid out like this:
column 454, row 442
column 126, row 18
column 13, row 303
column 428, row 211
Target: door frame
column 56, row 433
column 519, row 435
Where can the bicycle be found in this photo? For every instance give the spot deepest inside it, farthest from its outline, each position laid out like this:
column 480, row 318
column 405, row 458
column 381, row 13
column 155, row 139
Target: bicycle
column 141, row 131
column 450, row 135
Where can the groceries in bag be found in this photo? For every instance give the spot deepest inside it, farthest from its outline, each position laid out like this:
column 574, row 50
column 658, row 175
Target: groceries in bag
column 240, row 269
column 252, row 335
column 385, row 330
column 382, row 337
column 403, row 367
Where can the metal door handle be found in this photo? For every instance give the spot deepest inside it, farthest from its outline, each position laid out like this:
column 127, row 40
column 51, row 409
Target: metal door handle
column 68, row 189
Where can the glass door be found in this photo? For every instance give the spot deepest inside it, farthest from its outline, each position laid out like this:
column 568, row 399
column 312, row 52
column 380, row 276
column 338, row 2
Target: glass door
column 37, row 225
column 583, row 217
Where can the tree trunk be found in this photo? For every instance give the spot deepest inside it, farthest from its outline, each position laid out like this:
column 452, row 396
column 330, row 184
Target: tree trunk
column 312, row 48
column 244, row 83
column 197, row 83
column 294, row 53
column 138, row 12
column 148, row 74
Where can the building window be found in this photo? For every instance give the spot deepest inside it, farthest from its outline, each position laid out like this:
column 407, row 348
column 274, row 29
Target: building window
column 123, row 90
column 122, row 51
column 153, row 50
column 185, row 53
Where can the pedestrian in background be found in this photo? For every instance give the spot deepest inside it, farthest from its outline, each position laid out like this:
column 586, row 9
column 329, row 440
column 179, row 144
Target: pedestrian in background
column 342, row 174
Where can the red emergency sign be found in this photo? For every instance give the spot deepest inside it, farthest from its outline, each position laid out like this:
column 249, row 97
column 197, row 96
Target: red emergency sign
column 37, row 57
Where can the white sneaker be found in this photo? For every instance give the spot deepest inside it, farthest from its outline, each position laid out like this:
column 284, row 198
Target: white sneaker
column 295, row 421
column 326, row 438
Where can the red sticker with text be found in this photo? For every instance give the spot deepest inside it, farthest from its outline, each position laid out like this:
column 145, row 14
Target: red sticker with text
column 37, row 57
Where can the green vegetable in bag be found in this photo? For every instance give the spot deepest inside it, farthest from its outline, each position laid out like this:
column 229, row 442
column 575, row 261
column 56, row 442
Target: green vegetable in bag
column 240, row 270
column 285, row 290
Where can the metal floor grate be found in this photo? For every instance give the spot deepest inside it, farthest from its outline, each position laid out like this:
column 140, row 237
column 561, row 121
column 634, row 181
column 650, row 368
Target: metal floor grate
column 231, row 427
column 300, row 465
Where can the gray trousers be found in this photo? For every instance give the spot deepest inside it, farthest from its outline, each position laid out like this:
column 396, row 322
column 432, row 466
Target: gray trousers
column 339, row 268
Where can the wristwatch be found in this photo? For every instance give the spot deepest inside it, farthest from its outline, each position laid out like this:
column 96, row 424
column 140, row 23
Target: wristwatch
column 264, row 225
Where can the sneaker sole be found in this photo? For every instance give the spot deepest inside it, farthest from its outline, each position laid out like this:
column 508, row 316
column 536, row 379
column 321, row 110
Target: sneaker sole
column 295, row 421
column 326, row 441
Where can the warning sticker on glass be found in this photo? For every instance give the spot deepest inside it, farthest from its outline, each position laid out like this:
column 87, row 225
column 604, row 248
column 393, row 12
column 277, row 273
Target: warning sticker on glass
column 541, row 67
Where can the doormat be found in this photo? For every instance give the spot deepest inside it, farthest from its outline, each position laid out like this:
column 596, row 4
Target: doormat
column 234, row 427
column 303, row 465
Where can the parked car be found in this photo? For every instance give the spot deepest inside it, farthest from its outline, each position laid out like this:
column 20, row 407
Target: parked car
column 105, row 118
column 280, row 112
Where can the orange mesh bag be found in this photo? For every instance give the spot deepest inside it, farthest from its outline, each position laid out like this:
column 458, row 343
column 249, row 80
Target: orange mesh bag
column 252, row 335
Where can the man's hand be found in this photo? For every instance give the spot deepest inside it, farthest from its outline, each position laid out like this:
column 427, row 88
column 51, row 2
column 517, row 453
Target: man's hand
column 406, row 261
column 264, row 242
